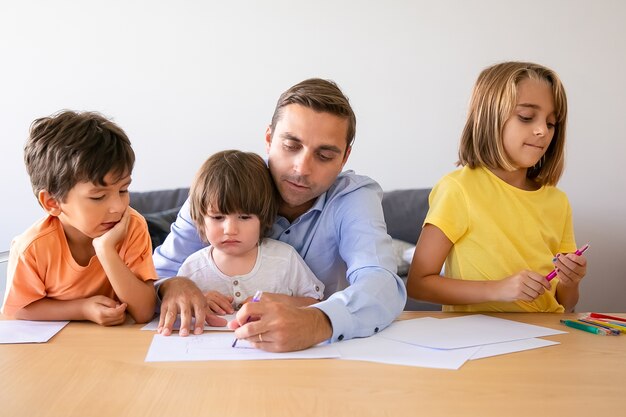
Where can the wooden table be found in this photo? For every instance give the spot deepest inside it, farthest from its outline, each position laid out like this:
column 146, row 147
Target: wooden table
column 88, row 370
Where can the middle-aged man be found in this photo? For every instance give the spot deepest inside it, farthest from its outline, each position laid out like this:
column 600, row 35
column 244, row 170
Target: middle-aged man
column 333, row 219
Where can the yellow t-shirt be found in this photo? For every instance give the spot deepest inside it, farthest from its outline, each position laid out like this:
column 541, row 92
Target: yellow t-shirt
column 498, row 230
column 41, row 265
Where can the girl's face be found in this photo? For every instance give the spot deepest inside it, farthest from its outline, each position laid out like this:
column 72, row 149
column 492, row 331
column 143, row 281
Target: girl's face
column 529, row 130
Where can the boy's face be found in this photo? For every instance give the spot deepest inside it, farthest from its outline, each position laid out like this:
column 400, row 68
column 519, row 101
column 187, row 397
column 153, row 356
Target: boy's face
column 90, row 210
column 234, row 234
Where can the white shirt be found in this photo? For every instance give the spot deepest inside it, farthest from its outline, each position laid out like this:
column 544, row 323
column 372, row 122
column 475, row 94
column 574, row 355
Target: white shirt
column 278, row 269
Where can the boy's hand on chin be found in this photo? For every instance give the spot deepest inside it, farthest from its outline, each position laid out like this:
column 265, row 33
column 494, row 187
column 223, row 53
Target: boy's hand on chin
column 114, row 235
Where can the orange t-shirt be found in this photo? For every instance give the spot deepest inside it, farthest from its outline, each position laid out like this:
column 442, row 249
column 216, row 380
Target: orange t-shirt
column 41, row 265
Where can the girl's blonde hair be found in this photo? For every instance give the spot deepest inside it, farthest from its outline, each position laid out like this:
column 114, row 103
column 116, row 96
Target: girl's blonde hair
column 493, row 100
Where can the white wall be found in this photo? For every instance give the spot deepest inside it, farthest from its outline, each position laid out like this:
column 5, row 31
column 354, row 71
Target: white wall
column 188, row 78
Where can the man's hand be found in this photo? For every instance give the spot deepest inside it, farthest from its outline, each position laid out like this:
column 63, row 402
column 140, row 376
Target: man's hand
column 181, row 296
column 104, row 310
column 279, row 327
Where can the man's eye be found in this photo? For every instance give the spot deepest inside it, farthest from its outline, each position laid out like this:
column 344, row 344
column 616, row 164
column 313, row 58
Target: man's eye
column 97, row 198
column 324, row 157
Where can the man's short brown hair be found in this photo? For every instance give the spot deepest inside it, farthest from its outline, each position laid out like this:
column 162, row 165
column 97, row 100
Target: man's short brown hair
column 322, row 96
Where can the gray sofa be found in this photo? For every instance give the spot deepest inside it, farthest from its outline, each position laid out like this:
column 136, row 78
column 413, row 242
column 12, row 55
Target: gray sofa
column 404, row 212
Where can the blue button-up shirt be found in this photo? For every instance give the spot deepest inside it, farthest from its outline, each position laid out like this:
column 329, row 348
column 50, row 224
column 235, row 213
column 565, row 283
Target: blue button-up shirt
column 343, row 239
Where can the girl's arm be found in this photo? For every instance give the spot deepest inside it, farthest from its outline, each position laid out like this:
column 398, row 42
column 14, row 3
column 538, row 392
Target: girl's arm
column 425, row 283
column 99, row 309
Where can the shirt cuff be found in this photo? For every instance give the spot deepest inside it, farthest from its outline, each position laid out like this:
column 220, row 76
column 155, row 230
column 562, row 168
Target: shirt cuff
column 340, row 318
column 157, row 286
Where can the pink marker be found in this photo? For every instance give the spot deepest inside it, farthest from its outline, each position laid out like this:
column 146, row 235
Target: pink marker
column 578, row 252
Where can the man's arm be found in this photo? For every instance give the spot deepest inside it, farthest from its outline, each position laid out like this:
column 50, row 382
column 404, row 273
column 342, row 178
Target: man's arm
column 179, row 295
column 375, row 297
column 182, row 241
column 376, row 294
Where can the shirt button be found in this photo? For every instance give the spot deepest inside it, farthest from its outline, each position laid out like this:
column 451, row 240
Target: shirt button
column 237, row 294
column 340, row 337
column 287, row 232
column 376, row 330
column 235, row 282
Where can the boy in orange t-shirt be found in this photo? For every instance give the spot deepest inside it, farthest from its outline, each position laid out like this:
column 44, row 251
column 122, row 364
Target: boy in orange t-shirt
column 90, row 258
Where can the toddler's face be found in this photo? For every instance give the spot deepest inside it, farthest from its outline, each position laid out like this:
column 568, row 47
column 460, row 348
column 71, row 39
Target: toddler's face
column 234, row 234
column 90, row 210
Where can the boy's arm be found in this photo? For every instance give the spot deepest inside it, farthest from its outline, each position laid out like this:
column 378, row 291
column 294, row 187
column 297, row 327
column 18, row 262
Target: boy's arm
column 139, row 295
column 99, row 309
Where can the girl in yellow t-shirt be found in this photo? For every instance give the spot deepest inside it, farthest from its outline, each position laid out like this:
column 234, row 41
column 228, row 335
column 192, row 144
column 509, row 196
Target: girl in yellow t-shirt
column 499, row 222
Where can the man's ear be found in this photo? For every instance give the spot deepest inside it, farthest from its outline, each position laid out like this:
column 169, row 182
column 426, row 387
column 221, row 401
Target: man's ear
column 49, row 203
column 345, row 158
column 268, row 139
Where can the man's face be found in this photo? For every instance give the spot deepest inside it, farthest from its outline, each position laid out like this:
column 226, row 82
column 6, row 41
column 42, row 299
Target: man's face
column 306, row 153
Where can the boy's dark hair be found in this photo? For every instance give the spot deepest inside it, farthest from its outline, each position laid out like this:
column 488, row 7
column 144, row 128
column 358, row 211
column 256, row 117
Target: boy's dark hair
column 321, row 96
column 234, row 182
column 69, row 147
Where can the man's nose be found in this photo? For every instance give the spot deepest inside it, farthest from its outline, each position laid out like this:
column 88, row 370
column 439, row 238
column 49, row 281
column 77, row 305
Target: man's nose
column 302, row 163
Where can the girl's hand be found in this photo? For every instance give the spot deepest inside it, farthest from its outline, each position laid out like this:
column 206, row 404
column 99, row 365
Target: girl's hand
column 571, row 268
column 104, row 310
column 219, row 303
column 525, row 286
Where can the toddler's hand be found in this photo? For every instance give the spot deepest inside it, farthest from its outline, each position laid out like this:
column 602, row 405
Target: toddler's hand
column 219, row 303
column 571, row 268
column 114, row 235
column 525, row 285
column 104, row 311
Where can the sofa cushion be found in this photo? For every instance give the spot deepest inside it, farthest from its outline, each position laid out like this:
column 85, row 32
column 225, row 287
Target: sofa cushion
column 159, row 224
column 158, row 201
column 399, row 249
column 405, row 211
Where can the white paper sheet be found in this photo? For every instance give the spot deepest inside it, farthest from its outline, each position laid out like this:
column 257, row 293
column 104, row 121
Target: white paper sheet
column 26, row 331
column 463, row 331
column 155, row 323
column 218, row 347
column 503, row 348
column 382, row 350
